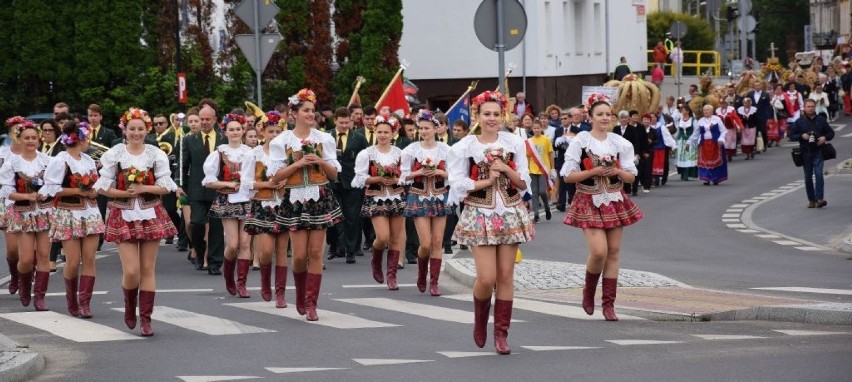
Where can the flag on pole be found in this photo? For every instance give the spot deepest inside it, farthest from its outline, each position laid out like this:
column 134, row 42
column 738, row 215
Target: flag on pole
column 460, row 111
column 394, row 96
column 355, row 99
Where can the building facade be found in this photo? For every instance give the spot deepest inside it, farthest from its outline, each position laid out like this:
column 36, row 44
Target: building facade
column 830, row 21
column 568, row 44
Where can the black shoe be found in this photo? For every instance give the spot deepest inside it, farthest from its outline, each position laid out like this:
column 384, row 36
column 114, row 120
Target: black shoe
column 181, row 248
column 332, row 253
column 400, row 266
column 412, row 260
column 448, row 250
column 821, row 203
column 199, row 264
column 560, row 208
column 366, row 246
column 547, row 214
column 359, row 253
column 706, row 183
column 463, row 247
column 170, row 240
column 350, row 258
column 213, row 271
column 536, row 219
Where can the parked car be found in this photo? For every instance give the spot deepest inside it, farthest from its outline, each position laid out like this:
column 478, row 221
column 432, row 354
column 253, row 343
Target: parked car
column 40, row 117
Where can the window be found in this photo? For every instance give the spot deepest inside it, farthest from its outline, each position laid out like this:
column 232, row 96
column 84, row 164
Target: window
column 548, row 29
column 598, row 29
column 567, row 32
column 579, row 27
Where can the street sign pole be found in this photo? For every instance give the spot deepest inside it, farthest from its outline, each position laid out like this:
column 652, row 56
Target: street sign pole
column 258, row 47
column 258, row 69
column 501, row 49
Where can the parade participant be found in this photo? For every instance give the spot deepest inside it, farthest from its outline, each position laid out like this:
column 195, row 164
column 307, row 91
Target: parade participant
column 6, row 152
column 346, row 235
column 103, row 136
column 250, row 138
column 135, row 175
column 76, row 222
column 762, row 102
column 794, row 103
column 812, row 132
column 749, row 116
column 460, row 129
column 686, row 160
column 258, row 167
column 633, row 134
column 709, row 141
column 164, row 134
column 424, row 171
column 222, row 174
column 539, row 151
column 489, row 173
column 600, row 163
column 646, row 158
column 309, row 207
column 777, row 124
column 733, row 124
column 194, row 123
column 377, row 170
column 51, row 147
column 663, row 144
column 21, row 177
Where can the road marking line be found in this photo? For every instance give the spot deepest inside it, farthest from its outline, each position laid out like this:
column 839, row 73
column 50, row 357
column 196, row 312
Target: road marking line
column 732, row 210
column 554, row 348
column 726, row 337
column 380, row 361
column 768, row 236
column 184, row 290
column 642, row 342
column 760, row 197
column 413, row 308
column 786, row 242
column 752, row 200
column 737, row 226
column 287, row 370
column 768, row 194
column 730, row 215
column 357, row 286
column 748, row 230
column 214, row 378
column 730, row 220
column 809, row 249
column 809, row 332
column 328, row 318
column 844, row 292
column 552, row 309
column 739, row 205
column 201, row 323
column 69, row 327
column 838, row 126
column 846, row 135
column 57, row 294
column 464, row 354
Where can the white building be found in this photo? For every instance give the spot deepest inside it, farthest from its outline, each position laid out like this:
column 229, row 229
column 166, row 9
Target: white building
column 568, row 44
column 830, row 21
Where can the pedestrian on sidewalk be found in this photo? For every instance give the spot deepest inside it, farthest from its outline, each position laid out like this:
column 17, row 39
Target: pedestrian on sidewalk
column 135, row 175
column 489, row 173
column 812, row 131
column 600, row 163
column 676, row 56
column 77, row 223
column 6, row 152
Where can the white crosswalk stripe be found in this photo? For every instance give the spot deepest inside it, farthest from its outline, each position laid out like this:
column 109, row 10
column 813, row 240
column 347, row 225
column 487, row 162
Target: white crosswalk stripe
column 69, row 327
column 327, row 318
column 201, row 323
column 417, row 309
column 549, row 308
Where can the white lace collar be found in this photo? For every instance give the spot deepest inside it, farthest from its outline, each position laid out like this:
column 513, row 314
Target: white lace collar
column 84, row 165
column 388, row 158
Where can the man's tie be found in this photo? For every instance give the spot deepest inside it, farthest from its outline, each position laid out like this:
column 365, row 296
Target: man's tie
column 372, row 138
column 207, row 143
column 340, row 140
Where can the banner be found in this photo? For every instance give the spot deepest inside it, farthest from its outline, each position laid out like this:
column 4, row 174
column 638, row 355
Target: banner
column 460, row 111
column 394, row 97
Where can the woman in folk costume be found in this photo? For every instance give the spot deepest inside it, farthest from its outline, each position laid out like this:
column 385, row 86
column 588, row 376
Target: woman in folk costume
column 748, row 115
column 16, row 148
column 222, row 173
column 135, row 176
column 732, row 123
column 70, row 178
column 709, row 139
column 686, row 157
column 424, row 169
column 262, row 221
column 776, row 125
column 308, row 207
column 600, row 162
column 663, row 143
column 21, row 177
column 378, row 170
column 489, row 173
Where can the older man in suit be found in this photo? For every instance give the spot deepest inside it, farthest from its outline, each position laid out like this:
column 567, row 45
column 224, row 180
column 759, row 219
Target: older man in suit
column 195, row 149
column 762, row 102
column 343, row 238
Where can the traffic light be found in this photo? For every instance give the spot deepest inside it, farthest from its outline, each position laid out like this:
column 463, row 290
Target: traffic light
column 756, row 16
column 733, row 13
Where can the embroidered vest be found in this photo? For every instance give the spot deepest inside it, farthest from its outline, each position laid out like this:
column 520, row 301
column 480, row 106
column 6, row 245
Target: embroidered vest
column 428, row 185
column 377, row 189
column 25, row 185
column 597, row 184
column 484, row 198
column 75, row 202
column 145, row 200
column 263, row 194
column 228, row 172
column 309, row 175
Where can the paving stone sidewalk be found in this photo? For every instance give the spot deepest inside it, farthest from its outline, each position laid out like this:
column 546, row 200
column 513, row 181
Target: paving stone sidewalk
column 17, row 362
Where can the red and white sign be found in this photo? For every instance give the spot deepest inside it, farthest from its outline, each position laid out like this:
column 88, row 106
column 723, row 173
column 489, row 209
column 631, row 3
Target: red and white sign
column 183, row 93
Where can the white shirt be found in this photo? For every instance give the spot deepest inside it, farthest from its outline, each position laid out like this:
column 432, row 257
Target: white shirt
column 212, row 165
column 152, row 159
column 54, row 176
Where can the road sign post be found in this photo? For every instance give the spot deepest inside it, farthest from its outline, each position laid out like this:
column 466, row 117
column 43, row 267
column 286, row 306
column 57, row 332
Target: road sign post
column 257, row 47
column 678, row 31
column 500, row 26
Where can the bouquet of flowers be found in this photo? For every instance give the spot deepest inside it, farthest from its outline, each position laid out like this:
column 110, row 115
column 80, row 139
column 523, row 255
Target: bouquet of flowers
column 607, row 161
column 389, row 171
column 429, row 163
column 83, row 182
column 133, row 176
column 310, row 147
column 26, row 186
column 492, row 154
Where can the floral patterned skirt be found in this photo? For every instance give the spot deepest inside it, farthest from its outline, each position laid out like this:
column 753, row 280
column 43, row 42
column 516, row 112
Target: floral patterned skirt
column 373, row 207
column 29, row 222
column 66, row 227
column 261, row 219
column 584, row 214
column 3, row 218
column 223, row 209
column 513, row 226
column 311, row 214
column 118, row 230
column 428, row 207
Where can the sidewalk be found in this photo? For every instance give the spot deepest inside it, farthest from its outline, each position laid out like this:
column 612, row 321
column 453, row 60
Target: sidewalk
column 17, row 362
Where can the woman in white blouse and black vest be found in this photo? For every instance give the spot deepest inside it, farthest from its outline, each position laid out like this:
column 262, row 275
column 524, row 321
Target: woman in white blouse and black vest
column 135, row 176
column 6, row 152
column 222, row 173
column 378, row 170
column 489, row 173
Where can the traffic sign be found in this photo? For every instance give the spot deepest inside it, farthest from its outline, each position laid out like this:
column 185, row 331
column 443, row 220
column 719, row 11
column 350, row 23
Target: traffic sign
column 678, row 30
column 747, row 23
column 268, row 43
column 514, row 23
column 266, row 11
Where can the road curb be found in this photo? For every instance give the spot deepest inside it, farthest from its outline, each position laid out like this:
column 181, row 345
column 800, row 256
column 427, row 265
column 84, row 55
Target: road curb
column 18, row 363
column 800, row 314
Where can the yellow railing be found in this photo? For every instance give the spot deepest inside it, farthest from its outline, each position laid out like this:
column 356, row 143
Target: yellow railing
column 695, row 62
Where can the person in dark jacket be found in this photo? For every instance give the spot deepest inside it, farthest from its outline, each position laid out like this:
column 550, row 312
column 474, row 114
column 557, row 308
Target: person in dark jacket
column 621, row 69
column 812, row 132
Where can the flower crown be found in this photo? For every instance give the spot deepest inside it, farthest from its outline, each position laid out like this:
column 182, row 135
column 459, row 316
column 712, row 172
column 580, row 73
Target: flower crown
column 387, row 119
column 304, row 95
column 135, row 113
column 426, row 115
column 273, row 118
column 596, row 98
column 231, row 118
column 491, row 96
column 22, row 124
column 81, row 135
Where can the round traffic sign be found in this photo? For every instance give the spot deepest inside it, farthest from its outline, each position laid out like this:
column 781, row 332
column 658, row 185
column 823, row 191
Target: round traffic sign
column 514, row 23
column 678, row 29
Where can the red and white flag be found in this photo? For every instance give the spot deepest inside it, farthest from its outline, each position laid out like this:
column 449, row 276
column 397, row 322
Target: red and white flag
column 394, row 97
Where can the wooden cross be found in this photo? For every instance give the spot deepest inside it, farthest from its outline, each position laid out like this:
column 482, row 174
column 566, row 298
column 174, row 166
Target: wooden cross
column 772, row 49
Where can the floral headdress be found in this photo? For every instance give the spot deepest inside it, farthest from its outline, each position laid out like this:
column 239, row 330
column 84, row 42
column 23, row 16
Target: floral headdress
column 426, row 115
column 135, row 113
column 491, row 96
column 21, row 123
column 304, row 95
column 231, row 118
column 81, row 135
column 596, row 98
column 273, row 118
column 388, row 119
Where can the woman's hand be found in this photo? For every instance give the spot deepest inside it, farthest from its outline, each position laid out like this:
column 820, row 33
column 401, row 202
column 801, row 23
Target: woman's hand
column 493, row 175
column 390, row 181
column 499, row 166
column 310, row 159
column 425, row 172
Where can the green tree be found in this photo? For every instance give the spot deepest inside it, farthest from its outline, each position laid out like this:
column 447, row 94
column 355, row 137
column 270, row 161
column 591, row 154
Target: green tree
column 781, row 22
column 699, row 34
column 348, row 22
column 379, row 46
column 318, row 55
column 293, row 24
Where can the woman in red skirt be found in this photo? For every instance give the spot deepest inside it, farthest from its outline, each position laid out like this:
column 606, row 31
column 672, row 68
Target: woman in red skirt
column 14, row 124
column 135, row 175
column 600, row 162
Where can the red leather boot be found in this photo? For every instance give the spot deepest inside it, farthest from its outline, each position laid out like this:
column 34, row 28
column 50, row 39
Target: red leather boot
column 280, row 286
column 25, row 283
column 228, row 273
column 87, row 284
column 589, row 292
column 434, row 273
column 146, row 307
column 312, row 287
column 130, row 296
column 481, row 311
column 13, row 276
column 393, row 262
column 422, row 270
column 608, row 304
column 376, row 263
column 243, row 266
column 502, row 319
column 71, row 297
column 40, row 289
column 299, row 279
column 265, row 282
